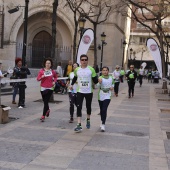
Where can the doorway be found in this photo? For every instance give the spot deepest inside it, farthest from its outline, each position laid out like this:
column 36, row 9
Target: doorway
column 41, row 48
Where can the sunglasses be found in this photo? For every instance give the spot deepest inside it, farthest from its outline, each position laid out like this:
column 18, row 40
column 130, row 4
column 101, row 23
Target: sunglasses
column 83, row 59
column 131, row 67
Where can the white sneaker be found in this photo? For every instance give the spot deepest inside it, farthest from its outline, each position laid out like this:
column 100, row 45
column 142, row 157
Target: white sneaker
column 102, row 128
column 20, row 107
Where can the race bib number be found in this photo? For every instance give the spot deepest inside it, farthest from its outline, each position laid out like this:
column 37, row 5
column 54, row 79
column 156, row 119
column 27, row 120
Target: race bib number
column 48, row 73
column 84, row 84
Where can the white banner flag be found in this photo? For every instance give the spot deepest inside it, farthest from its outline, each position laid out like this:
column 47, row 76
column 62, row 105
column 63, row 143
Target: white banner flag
column 155, row 53
column 85, row 42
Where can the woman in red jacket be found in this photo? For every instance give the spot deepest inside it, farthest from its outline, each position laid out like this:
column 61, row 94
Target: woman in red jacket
column 48, row 77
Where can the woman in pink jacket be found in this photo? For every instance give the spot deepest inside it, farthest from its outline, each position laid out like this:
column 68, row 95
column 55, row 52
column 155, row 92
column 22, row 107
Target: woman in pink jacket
column 48, row 77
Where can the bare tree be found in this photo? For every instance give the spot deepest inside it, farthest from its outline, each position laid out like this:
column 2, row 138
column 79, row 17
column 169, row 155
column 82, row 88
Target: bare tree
column 74, row 5
column 97, row 12
column 154, row 12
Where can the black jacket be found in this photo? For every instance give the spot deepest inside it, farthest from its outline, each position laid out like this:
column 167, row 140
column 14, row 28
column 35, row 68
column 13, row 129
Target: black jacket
column 128, row 76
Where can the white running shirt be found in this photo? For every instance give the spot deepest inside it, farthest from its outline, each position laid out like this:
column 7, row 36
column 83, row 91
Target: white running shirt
column 84, row 79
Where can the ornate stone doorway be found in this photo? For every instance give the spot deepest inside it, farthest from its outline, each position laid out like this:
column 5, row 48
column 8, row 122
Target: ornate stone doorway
column 41, row 48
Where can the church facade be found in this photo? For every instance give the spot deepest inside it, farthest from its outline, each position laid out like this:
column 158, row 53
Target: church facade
column 39, row 35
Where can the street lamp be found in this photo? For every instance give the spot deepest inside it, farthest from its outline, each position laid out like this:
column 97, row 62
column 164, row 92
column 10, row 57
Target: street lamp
column 131, row 51
column 124, row 45
column 81, row 25
column 103, row 37
column 25, row 28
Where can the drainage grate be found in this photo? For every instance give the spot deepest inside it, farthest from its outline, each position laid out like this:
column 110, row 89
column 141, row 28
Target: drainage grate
column 168, row 135
column 134, row 133
column 54, row 102
column 164, row 100
column 165, row 110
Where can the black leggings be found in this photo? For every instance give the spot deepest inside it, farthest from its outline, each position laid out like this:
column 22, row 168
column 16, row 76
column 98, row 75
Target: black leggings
column 80, row 97
column 131, row 85
column 140, row 79
column 73, row 101
column 103, row 109
column 46, row 94
column 116, row 87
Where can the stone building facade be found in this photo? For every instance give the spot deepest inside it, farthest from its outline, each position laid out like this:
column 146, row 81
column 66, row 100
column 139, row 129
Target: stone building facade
column 116, row 28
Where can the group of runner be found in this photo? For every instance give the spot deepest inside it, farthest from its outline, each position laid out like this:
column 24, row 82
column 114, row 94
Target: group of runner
column 80, row 84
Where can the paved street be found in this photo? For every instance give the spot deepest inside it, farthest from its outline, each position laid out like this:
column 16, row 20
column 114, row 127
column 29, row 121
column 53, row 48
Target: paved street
column 135, row 137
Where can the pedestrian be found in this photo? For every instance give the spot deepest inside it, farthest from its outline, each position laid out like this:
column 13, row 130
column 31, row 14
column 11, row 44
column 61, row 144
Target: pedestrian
column 20, row 72
column 149, row 75
column 140, row 75
column 156, row 77
column 84, row 75
column 72, row 93
column 48, row 78
column 131, row 77
column 105, row 84
column 68, row 69
column 122, row 73
column 116, row 76
column 59, row 70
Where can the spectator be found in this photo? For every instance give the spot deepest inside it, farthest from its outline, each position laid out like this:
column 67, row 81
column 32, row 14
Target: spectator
column 59, row 70
column 68, row 69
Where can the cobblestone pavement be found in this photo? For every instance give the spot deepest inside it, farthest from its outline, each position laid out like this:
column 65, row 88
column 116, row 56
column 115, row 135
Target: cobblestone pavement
column 135, row 137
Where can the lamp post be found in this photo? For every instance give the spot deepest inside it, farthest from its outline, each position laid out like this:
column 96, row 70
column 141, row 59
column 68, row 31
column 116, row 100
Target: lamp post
column 124, row 45
column 167, row 53
column 25, row 28
column 130, row 60
column 103, row 37
column 81, row 25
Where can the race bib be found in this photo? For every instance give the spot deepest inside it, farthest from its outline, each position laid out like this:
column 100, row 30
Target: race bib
column 48, row 73
column 84, row 84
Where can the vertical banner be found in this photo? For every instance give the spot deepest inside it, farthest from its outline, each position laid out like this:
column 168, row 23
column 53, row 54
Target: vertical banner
column 155, row 53
column 85, row 42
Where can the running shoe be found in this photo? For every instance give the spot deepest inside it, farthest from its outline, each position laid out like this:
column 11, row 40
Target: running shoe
column 88, row 124
column 42, row 118
column 71, row 120
column 78, row 128
column 48, row 113
column 102, row 128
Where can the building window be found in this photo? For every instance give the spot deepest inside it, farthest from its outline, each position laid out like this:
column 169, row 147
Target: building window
column 145, row 11
column 140, row 26
column 142, row 40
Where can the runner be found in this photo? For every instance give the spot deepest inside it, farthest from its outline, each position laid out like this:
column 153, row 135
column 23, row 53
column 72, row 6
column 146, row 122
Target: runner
column 106, row 84
column 116, row 76
column 48, row 77
column 140, row 75
column 72, row 93
column 131, row 77
column 84, row 76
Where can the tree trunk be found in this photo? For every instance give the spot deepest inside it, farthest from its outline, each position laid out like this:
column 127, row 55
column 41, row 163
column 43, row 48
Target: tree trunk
column 95, row 44
column 75, row 39
column 54, row 18
column 160, row 38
